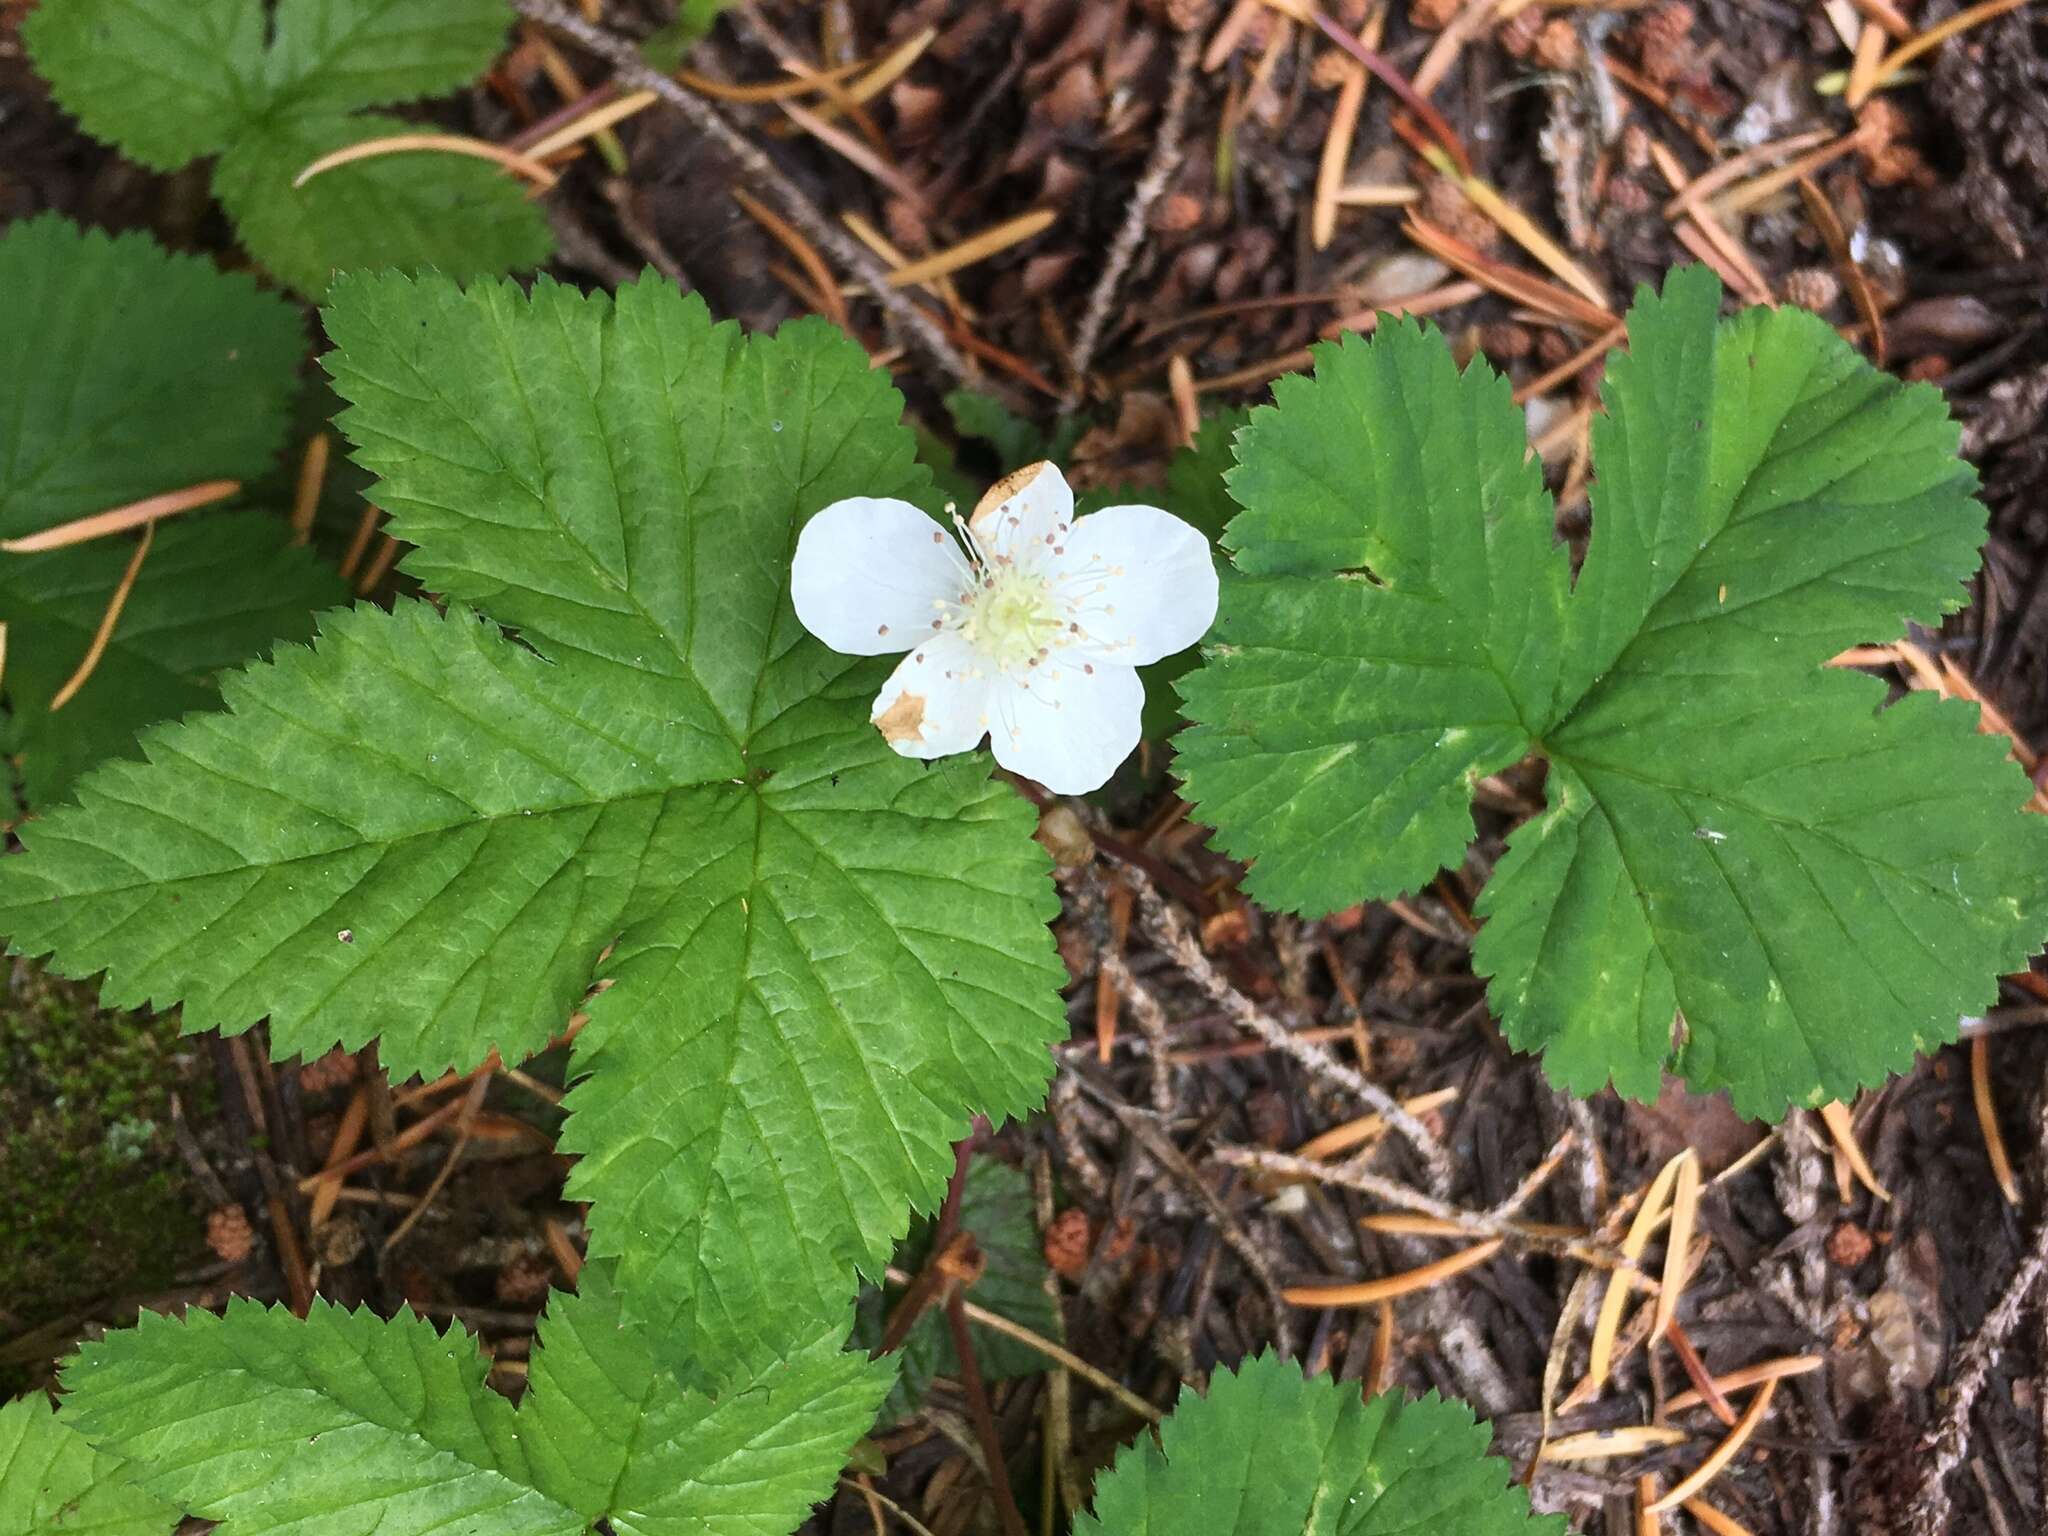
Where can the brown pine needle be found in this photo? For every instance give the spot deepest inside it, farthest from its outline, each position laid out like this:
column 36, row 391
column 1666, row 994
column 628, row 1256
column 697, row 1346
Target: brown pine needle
column 1382, row 1351
column 768, row 90
column 1933, row 38
column 975, row 248
column 1471, row 19
column 1558, row 303
column 1716, row 243
column 1705, row 185
column 3, row 651
column 1180, row 388
column 1719, row 1457
column 1365, row 1293
column 365, row 527
column 1685, row 1205
column 1522, row 229
column 1356, row 1133
column 1767, row 186
column 431, row 143
column 1712, row 1520
column 891, row 67
column 1887, row 16
column 1612, row 1303
column 1750, row 1376
column 1987, row 1120
column 1836, row 239
column 1627, row 1440
column 790, row 239
column 1336, row 156
column 598, row 120
column 1585, row 357
column 312, row 475
column 1696, row 1369
column 387, row 553
column 1365, row 321
column 1646, row 1522
column 856, row 153
column 1864, row 64
column 108, row 620
column 880, row 244
column 1378, row 194
column 115, row 520
column 1835, row 1114
column 354, row 1120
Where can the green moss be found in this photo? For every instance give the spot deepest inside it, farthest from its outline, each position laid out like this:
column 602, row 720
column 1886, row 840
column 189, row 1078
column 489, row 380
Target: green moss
column 97, row 1198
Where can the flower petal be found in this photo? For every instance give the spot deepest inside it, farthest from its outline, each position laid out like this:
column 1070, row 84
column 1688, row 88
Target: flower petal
column 1157, row 584
column 936, row 702
column 1024, row 515
column 867, row 572
column 1070, row 725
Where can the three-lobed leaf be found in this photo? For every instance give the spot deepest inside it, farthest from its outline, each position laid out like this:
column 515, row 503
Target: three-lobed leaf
column 51, row 1479
column 1270, row 1453
column 1738, row 839
column 824, row 959
column 341, row 1421
column 270, row 91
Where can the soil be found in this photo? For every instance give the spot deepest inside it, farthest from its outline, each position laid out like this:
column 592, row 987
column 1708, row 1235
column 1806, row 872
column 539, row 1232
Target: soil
column 1187, row 135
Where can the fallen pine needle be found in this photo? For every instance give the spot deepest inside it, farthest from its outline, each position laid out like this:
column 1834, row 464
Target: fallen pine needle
column 1366, row 1292
column 1336, row 155
column 1377, row 194
column 1836, row 239
column 1601, row 1357
column 366, row 525
column 1628, row 1440
column 1750, row 1376
column 1071, row 1361
column 1866, row 59
column 1522, row 287
column 1835, row 1114
column 1365, row 321
column 857, row 153
column 354, row 1120
column 1696, row 1368
column 786, row 235
column 1355, row 1133
column 767, row 90
column 108, row 620
column 1705, row 185
column 1767, row 186
column 120, row 519
column 1685, row 1205
column 594, row 122
column 1933, row 38
column 387, row 556
column 975, row 248
column 1521, row 229
column 1585, row 357
column 1647, row 1523
column 430, row 143
column 1719, row 1457
column 1712, row 1520
column 1382, row 1351
column 312, row 475
column 1987, row 1120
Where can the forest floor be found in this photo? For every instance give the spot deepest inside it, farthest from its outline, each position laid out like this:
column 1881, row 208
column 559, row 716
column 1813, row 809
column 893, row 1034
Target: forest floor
column 1225, row 186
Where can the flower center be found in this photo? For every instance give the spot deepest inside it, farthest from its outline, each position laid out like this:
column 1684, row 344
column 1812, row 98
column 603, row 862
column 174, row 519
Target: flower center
column 1013, row 616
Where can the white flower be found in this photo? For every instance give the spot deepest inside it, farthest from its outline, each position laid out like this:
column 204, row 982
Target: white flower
column 1033, row 638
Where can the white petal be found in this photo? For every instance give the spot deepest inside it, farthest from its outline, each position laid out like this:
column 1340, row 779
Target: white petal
column 1024, row 515
column 868, row 571
column 1157, row 576
column 936, row 702
column 1071, row 727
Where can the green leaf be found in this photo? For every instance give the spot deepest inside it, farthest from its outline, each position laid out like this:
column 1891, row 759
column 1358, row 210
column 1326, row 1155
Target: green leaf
column 51, row 1480
column 1737, row 836
column 270, row 91
column 1268, row 1453
column 996, row 1206
column 458, row 216
column 341, row 1421
column 126, row 371
column 1195, row 477
column 213, row 592
column 825, row 958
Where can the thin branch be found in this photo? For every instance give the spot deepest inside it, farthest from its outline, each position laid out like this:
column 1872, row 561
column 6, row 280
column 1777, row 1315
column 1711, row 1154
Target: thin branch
column 1159, row 169
column 762, row 173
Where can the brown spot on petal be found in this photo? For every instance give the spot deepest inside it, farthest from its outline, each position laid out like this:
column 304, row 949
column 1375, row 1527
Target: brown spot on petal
column 902, row 720
column 990, row 506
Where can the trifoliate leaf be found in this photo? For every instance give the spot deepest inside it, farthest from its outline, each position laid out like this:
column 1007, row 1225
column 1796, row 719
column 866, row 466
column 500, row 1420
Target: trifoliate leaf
column 339, row 1422
column 214, row 591
column 996, row 1207
column 52, row 1480
column 270, row 90
column 126, row 371
column 826, row 958
column 1268, row 1453
column 1737, row 837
